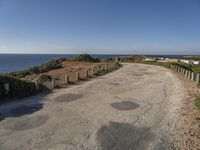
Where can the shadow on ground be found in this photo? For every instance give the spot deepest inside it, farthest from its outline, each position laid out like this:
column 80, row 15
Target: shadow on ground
column 68, row 97
column 22, row 108
column 122, row 136
column 25, row 123
column 125, row 105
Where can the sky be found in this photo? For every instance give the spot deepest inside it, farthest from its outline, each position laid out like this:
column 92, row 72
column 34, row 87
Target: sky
column 100, row 26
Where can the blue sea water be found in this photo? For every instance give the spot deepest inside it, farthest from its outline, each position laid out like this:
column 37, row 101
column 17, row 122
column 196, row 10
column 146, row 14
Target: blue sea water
column 16, row 62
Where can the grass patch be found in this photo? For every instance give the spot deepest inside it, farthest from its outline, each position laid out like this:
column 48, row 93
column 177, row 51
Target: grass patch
column 194, row 68
column 45, row 78
column 163, row 64
column 191, row 67
column 197, row 103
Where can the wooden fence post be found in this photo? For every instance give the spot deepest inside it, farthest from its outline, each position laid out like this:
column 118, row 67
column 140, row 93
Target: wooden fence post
column 198, row 78
column 192, row 76
column 53, row 82
column 7, row 88
column 92, row 71
column 189, row 74
column 37, row 85
column 66, row 79
column 102, row 68
column 176, row 68
column 186, row 73
column 86, row 73
column 108, row 66
column 99, row 68
column 105, row 66
column 112, row 65
column 95, row 70
column 77, row 76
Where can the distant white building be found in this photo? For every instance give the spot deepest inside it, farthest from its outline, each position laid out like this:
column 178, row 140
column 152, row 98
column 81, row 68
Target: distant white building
column 196, row 62
column 149, row 59
column 185, row 61
column 190, row 61
column 160, row 58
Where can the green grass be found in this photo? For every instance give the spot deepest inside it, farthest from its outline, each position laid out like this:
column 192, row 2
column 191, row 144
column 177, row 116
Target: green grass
column 194, row 68
column 197, row 103
column 163, row 64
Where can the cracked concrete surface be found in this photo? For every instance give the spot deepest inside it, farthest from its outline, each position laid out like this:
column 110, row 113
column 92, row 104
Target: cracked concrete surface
column 133, row 108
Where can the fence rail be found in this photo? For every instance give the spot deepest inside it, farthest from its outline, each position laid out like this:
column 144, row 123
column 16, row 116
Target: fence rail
column 193, row 76
column 77, row 77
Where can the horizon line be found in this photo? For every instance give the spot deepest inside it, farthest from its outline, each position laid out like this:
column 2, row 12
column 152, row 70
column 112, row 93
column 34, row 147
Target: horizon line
column 96, row 54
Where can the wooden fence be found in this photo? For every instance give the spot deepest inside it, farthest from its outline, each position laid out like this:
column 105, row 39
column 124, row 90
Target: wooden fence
column 187, row 73
column 66, row 80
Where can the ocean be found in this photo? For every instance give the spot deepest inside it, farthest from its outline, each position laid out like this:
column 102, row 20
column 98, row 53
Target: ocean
column 16, row 62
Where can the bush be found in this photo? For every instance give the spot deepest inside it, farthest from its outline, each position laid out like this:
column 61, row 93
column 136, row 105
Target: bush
column 18, row 88
column 50, row 65
column 45, row 77
column 85, row 58
column 197, row 103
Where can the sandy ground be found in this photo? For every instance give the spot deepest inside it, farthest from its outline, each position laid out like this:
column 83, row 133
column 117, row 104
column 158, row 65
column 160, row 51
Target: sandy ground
column 189, row 131
column 135, row 107
column 69, row 68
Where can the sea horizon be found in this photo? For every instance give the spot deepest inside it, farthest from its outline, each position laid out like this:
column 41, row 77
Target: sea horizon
column 17, row 62
column 21, row 61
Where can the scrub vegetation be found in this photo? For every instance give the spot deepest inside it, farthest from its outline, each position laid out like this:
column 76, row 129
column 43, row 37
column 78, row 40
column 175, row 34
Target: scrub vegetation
column 50, row 65
column 194, row 68
column 21, row 82
column 197, row 103
column 18, row 88
column 163, row 64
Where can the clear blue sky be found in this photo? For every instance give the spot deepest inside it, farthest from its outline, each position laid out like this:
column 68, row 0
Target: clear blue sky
column 100, row 26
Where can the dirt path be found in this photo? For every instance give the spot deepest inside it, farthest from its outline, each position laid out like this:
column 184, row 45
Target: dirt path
column 134, row 107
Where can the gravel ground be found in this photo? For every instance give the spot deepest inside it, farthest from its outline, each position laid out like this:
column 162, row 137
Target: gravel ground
column 135, row 107
column 189, row 131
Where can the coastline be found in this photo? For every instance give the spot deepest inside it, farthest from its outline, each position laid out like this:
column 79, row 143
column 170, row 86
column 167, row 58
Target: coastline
column 17, row 62
column 56, row 73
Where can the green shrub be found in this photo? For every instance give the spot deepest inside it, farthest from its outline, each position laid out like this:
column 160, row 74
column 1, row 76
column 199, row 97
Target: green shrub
column 85, row 58
column 18, row 88
column 197, row 103
column 163, row 64
column 45, row 77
